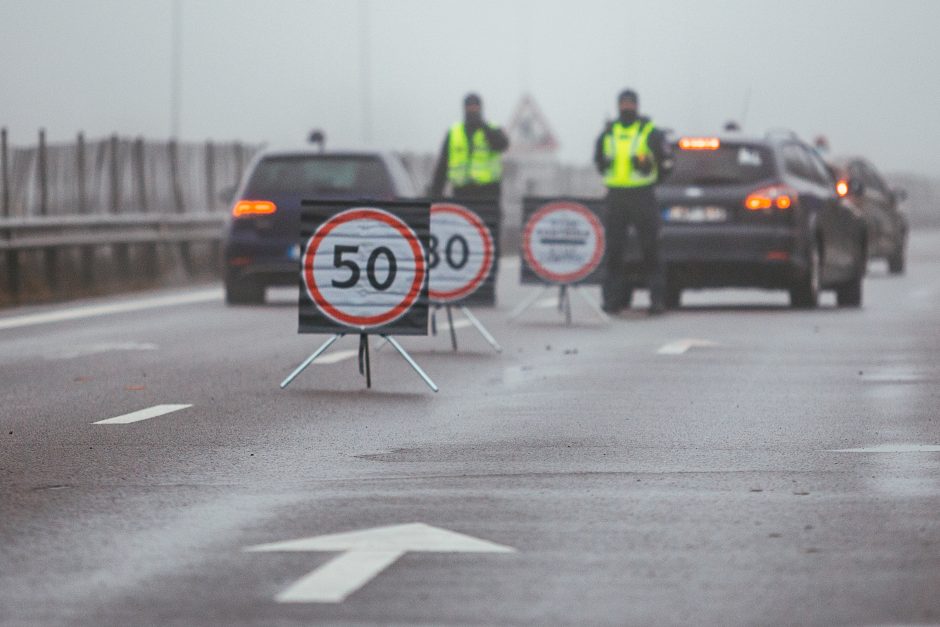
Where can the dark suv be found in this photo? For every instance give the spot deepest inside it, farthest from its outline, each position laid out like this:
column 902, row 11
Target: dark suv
column 759, row 212
column 261, row 240
column 861, row 185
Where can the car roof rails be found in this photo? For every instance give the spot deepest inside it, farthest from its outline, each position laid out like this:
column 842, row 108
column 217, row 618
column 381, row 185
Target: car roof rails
column 783, row 133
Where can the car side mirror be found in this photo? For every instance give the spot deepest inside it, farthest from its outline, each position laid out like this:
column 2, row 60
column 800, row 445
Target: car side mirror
column 900, row 195
column 856, row 187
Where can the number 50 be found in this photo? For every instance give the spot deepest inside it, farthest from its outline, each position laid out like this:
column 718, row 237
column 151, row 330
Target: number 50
column 355, row 272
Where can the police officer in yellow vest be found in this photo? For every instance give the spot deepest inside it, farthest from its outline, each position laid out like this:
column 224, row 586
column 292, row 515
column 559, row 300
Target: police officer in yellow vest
column 632, row 155
column 471, row 159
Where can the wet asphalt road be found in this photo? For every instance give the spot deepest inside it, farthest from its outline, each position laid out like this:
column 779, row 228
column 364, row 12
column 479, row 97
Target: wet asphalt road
column 636, row 486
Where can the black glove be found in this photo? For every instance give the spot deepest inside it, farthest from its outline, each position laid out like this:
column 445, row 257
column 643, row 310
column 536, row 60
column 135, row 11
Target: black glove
column 643, row 164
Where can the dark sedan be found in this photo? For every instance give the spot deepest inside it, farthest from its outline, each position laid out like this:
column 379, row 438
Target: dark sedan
column 861, row 184
column 759, row 212
column 261, row 242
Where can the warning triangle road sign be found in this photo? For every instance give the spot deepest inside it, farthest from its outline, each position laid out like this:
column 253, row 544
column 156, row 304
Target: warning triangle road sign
column 529, row 130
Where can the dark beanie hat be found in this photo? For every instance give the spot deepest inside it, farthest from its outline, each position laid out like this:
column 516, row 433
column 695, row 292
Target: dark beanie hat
column 472, row 99
column 627, row 94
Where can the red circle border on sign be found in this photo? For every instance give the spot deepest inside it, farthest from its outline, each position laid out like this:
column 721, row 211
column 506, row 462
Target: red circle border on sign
column 351, row 215
column 577, row 275
column 475, row 283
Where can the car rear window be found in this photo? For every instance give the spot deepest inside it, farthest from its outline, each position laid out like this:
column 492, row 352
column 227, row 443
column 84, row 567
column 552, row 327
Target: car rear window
column 320, row 175
column 730, row 164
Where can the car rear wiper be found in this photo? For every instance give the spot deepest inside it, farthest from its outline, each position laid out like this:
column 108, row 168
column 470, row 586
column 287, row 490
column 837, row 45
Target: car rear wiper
column 714, row 180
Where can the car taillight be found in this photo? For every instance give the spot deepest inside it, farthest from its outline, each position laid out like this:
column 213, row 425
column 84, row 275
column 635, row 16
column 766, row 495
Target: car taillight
column 842, row 188
column 253, row 208
column 699, row 143
column 766, row 198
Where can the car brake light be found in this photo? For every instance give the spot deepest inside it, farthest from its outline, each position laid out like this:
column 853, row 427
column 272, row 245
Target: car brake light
column 253, row 208
column 779, row 196
column 699, row 143
column 842, row 188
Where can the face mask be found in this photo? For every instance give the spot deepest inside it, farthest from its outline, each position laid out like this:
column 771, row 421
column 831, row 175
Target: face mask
column 627, row 116
column 473, row 118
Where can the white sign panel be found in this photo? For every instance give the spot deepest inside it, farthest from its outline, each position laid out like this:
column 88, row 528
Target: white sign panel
column 364, row 267
column 563, row 242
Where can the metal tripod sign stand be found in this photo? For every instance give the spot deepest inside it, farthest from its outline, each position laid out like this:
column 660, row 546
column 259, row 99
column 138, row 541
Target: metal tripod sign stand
column 563, row 244
column 461, row 259
column 364, row 271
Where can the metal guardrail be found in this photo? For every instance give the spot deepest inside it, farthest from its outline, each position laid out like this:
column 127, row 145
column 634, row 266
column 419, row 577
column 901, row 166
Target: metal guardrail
column 55, row 234
column 77, row 231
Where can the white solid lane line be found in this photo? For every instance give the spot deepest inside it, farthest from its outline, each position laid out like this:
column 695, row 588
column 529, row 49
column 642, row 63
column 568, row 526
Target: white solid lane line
column 91, row 311
column 891, row 448
column 681, row 346
column 143, row 414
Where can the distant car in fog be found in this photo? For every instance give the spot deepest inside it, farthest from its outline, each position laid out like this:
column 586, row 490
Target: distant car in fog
column 262, row 236
column 860, row 184
column 759, row 212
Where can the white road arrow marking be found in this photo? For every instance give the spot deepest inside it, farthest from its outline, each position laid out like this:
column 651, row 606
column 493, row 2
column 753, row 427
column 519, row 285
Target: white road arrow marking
column 681, row 346
column 366, row 553
column 143, row 414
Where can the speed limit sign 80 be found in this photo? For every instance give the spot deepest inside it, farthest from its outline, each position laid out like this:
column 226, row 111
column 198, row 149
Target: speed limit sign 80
column 365, row 268
column 460, row 253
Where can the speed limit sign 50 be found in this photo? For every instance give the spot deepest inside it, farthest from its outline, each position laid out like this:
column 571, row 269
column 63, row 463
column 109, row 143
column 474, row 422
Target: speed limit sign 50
column 460, row 253
column 364, row 268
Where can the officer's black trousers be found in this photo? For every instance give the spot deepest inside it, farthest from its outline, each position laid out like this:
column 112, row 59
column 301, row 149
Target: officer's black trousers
column 636, row 206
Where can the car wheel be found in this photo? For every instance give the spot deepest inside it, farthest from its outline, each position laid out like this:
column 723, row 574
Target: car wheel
column 244, row 292
column 896, row 261
column 805, row 293
column 849, row 294
column 673, row 296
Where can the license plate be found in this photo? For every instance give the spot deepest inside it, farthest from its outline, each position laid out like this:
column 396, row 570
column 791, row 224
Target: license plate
column 695, row 214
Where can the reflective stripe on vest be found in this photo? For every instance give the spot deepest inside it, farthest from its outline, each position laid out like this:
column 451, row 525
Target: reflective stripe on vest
column 479, row 165
column 621, row 144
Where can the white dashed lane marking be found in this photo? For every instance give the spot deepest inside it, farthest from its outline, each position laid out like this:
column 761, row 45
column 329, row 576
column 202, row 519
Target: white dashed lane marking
column 681, row 346
column 143, row 414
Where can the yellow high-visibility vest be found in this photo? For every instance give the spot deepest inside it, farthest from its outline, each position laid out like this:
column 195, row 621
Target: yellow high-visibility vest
column 621, row 144
column 479, row 166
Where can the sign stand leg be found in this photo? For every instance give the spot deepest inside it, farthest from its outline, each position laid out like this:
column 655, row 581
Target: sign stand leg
column 411, row 362
column 591, row 303
column 479, row 327
column 453, row 331
column 564, row 303
column 527, row 303
column 364, row 366
column 310, row 359
column 434, row 320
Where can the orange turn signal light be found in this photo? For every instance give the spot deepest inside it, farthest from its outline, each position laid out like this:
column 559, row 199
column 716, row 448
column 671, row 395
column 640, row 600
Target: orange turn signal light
column 253, row 208
column 699, row 143
column 778, row 196
column 842, row 188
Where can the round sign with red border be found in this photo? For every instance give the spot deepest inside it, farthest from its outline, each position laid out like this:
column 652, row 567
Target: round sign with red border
column 460, row 254
column 563, row 242
column 364, row 267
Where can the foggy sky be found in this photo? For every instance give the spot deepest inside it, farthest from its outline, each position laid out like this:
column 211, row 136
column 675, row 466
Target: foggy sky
column 863, row 73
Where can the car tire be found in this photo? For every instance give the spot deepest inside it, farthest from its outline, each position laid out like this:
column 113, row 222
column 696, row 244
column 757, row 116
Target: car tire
column 244, row 292
column 628, row 298
column 896, row 261
column 673, row 296
column 849, row 294
column 805, row 293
